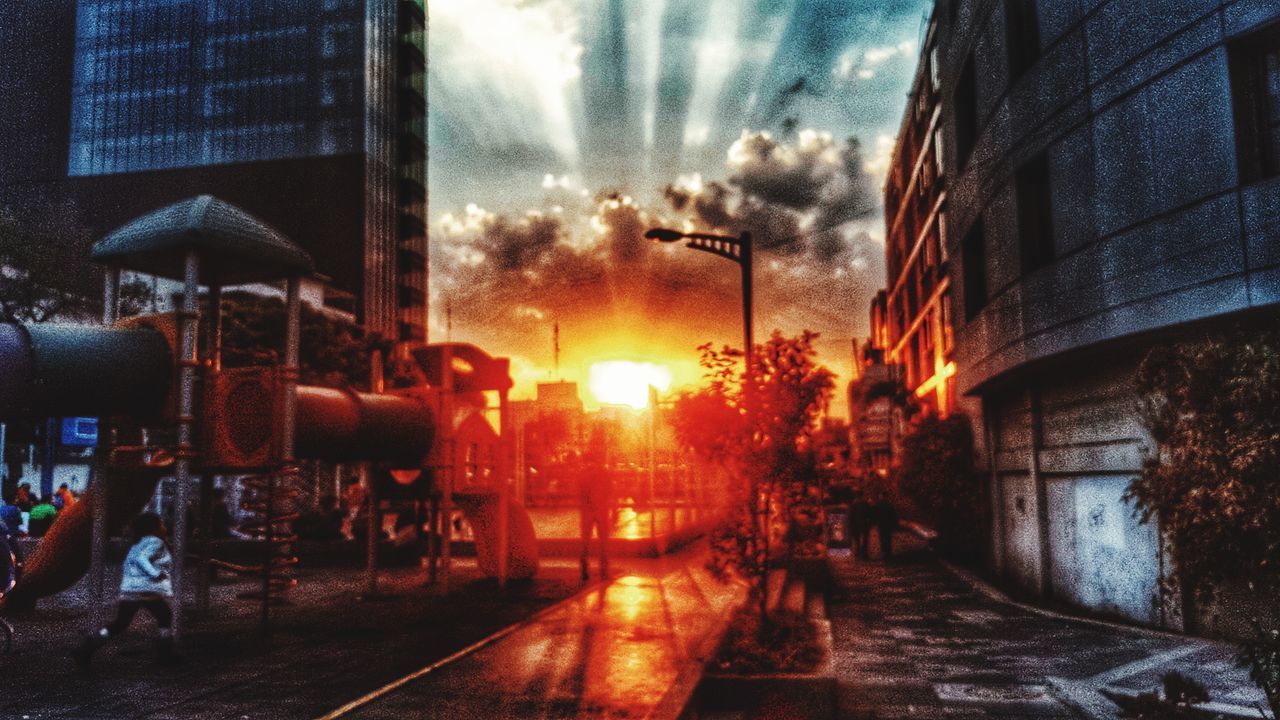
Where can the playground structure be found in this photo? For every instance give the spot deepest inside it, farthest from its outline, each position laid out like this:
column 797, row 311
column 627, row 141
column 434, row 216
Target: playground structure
column 168, row 408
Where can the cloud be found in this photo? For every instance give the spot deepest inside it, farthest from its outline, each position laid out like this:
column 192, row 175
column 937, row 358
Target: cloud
column 793, row 196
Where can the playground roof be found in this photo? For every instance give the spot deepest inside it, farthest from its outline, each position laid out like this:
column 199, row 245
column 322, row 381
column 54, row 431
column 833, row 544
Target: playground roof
column 233, row 246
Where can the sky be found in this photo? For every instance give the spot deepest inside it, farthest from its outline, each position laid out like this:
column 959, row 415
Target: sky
column 561, row 130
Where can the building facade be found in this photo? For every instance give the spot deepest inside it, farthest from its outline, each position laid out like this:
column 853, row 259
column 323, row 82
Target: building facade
column 308, row 114
column 1112, row 183
column 917, row 309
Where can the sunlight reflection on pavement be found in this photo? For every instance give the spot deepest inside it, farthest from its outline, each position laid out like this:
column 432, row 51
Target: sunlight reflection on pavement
column 612, row 651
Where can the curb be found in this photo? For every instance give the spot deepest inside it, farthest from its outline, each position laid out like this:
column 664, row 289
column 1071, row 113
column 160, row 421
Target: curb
column 994, row 593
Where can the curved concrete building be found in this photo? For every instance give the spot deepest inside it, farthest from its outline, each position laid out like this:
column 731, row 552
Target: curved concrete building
column 1112, row 181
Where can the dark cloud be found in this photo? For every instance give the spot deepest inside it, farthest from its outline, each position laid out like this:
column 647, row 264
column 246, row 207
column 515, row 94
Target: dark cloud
column 793, row 196
column 516, row 244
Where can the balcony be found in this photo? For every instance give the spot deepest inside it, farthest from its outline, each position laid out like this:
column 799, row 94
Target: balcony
column 410, row 297
column 411, row 226
column 412, row 149
column 411, row 58
column 412, row 331
column 412, row 104
column 412, row 191
column 410, row 261
column 412, row 16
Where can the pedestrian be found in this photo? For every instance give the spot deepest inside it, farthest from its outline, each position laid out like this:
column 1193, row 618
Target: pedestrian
column 146, row 585
column 63, row 498
column 23, row 498
column 11, row 517
column 885, row 516
column 10, row 533
column 353, row 496
column 860, row 525
column 42, row 515
column 595, row 503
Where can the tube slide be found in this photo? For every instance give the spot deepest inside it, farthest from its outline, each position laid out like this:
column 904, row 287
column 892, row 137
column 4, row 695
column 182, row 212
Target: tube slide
column 481, row 509
column 62, row 557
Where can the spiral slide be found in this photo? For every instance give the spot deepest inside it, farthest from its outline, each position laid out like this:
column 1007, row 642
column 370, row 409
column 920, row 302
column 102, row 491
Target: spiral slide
column 482, row 511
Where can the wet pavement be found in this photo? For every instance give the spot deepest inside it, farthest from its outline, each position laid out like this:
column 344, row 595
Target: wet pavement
column 621, row 650
column 914, row 640
column 324, row 649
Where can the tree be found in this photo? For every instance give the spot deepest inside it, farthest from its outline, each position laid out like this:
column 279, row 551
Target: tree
column 938, row 478
column 45, row 271
column 758, row 424
column 1212, row 406
column 333, row 352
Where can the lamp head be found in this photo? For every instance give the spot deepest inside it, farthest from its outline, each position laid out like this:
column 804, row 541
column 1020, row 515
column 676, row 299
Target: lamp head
column 664, row 235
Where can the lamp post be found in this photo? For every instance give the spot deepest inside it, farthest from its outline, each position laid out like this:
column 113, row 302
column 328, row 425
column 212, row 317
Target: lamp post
column 737, row 249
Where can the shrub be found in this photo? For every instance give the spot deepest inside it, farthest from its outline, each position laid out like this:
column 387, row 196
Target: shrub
column 937, row 478
column 788, row 643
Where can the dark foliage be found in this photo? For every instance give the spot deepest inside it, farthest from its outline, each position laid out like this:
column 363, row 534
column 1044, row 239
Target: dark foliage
column 788, row 643
column 937, row 477
column 1180, row 694
column 1212, row 405
column 334, row 352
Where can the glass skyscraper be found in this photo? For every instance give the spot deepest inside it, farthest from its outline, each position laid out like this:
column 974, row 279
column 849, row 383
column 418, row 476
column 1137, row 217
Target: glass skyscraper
column 217, row 94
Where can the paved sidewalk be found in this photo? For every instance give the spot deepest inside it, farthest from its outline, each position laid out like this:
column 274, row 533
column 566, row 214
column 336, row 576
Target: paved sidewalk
column 914, row 640
column 629, row 649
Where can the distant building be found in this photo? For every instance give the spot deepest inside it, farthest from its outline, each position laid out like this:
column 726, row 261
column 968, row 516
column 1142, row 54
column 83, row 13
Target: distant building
column 310, row 114
column 1112, row 182
column 876, row 402
column 917, row 308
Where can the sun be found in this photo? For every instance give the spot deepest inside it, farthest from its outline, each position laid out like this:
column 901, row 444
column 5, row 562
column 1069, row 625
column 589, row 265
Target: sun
column 623, row 382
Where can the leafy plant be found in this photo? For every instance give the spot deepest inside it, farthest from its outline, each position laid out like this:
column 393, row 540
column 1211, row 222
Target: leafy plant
column 1181, row 693
column 1212, row 405
column 1262, row 658
column 937, row 476
column 788, row 643
column 758, row 424
column 333, row 353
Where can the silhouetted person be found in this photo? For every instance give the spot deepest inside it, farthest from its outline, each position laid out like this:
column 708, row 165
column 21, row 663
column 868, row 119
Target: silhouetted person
column 885, row 516
column 23, row 498
column 63, row 498
column 595, row 503
column 42, row 515
column 323, row 524
column 860, row 525
column 145, row 585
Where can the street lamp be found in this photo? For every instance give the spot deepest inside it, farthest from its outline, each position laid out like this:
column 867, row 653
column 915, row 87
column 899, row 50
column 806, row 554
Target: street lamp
column 737, row 249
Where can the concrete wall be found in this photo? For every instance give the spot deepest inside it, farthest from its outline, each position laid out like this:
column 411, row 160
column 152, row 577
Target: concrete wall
column 1155, row 230
column 1072, row 440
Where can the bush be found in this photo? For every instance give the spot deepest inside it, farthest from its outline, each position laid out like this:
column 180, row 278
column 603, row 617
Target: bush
column 1180, row 694
column 788, row 643
column 1212, row 405
column 937, row 477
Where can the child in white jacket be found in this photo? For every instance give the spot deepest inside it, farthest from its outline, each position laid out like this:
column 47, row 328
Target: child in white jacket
column 144, row 586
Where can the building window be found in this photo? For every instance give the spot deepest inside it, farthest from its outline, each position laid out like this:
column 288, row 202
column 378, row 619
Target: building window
column 1255, row 80
column 1035, row 213
column 966, row 114
column 974, row 257
column 1022, row 32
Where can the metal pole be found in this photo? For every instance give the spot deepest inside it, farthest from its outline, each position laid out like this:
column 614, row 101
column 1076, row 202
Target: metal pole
column 372, row 530
column 101, row 454
column 744, row 259
column 449, row 446
column 205, row 515
column 186, row 406
column 504, row 488
column 653, row 492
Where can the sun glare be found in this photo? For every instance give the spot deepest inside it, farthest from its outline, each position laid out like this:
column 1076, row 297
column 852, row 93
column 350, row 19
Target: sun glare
column 622, row 382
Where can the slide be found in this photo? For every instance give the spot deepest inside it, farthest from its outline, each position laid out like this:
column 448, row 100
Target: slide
column 481, row 510
column 62, row 557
